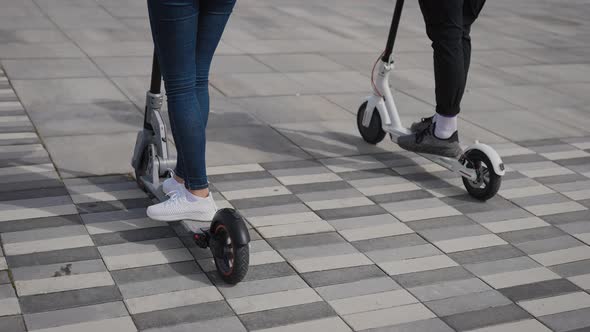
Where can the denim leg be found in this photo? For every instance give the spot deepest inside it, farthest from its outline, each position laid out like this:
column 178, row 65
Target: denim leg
column 174, row 28
column 213, row 18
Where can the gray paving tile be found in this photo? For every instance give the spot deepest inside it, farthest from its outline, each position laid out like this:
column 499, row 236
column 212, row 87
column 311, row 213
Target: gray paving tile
column 467, row 303
column 418, row 279
column 251, row 203
column 567, row 217
column 12, row 323
column 69, row 299
column 449, row 289
column 302, row 241
column 264, row 286
column 46, row 222
column 68, row 154
column 101, row 117
column 341, row 276
column 402, row 196
column 357, row 288
column 53, row 257
column 351, row 212
column 50, row 68
column 288, row 109
column 547, row 245
column 243, row 176
column 540, row 289
column 319, row 187
column 572, row 269
column 485, row 317
column 73, row 90
column 428, row 325
column 486, row 254
column 526, row 235
column 266, row 271
column 393, row 242
column 287, row 315
column 133, row 236
column 63, row 317
column 440, row 223
column 4, row 277
column 126, row 204
column 186, row 314
column 57, row 270
column 568, row 321
column 39, row 50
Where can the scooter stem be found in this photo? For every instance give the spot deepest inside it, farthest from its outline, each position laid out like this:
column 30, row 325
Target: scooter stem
column 156, row 83
column 397, row 13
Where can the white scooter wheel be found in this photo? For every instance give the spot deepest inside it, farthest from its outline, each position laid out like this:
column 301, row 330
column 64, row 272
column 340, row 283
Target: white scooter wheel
column 488, row 182
column 374, row 133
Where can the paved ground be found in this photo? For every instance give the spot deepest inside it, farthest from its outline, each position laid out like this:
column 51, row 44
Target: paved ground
column 346, row 236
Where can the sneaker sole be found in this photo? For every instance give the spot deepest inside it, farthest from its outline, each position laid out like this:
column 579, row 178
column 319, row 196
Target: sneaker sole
column 437, row 151
column 183, row 216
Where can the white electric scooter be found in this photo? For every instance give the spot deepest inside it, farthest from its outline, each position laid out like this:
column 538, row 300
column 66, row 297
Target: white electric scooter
column 480, row 166
column 227, row 237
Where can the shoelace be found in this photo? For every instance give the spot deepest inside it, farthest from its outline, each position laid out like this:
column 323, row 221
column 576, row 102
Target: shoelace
column 175, row 199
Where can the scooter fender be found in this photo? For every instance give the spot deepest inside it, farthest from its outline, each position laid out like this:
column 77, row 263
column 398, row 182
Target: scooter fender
column 376, row 102
column 235, row 224
column 491, row 154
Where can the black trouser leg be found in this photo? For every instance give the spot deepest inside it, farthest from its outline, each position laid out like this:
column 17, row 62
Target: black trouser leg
column 448, row 23
column 471, row 10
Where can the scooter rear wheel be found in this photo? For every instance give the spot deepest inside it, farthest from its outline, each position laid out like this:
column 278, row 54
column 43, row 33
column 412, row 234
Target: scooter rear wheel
column 488, row 182
column 374, row 133
column 231, row 260
column 142, row 170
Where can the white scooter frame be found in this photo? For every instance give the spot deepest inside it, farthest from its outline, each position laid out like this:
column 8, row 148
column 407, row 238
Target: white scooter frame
column 469, row 165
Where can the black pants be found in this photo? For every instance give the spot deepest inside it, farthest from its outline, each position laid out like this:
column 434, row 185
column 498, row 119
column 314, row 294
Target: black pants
column 448, row 23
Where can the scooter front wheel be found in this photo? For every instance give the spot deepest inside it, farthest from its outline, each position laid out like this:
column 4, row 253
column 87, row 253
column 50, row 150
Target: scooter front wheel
column 488, row 182
column 374, row 133
column 231, row 258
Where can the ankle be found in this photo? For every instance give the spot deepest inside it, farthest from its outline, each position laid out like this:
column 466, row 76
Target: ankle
column 203, row 193
column 178, row 179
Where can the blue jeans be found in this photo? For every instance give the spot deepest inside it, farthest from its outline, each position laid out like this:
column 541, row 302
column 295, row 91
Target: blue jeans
column 186, row 34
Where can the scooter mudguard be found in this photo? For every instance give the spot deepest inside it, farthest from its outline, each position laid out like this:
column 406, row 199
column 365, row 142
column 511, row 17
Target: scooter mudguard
column 492, row 155
column 235, row 224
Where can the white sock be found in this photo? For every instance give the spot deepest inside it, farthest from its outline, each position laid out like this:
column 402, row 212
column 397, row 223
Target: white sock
column 445, row 127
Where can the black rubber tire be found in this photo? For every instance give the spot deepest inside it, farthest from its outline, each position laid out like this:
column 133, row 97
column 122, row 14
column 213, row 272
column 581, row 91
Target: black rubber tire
column 490, row 189
column 142, row 170
column 374, row 133
column 241, row 263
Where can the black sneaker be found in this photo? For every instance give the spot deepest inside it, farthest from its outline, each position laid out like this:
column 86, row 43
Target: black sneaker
column 425, row 142
column 422, row 124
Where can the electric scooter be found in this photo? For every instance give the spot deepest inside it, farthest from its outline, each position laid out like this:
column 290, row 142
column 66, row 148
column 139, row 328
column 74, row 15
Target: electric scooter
column 227, row 237
column 480, row 166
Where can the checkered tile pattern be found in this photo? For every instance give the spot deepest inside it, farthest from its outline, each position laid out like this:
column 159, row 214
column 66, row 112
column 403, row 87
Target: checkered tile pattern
column 382, row 242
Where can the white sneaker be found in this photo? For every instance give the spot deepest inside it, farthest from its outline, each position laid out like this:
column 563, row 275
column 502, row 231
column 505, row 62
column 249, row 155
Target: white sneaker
column 179, row 207
column 170, row 185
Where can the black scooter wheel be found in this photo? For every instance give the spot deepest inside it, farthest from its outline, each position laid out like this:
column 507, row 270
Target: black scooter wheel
column 374, row 133
column 231, row 259
column 488, row 182
column 142, row 170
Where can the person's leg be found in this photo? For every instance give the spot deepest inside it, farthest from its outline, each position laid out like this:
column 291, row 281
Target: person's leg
column 174, row 28
column 213, row 18
column 175, row 35
column 444, row 27
column 471, row 10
